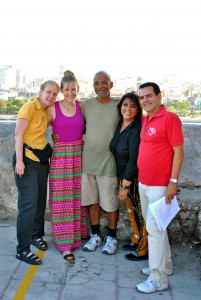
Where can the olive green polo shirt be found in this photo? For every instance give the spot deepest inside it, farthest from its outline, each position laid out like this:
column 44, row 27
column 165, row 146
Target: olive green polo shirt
column 101, row 122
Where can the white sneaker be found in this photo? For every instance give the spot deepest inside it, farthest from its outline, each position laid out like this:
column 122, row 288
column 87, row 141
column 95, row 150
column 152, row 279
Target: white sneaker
column 95, row 241
column 110, row 245
column 147, row 272
column 149, row 286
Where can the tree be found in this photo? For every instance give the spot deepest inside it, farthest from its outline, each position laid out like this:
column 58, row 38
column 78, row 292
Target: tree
column 3, row 105
column 11, row 106
column 19, row 102
column 193, row 113
column 12, row 109
column 177, row 106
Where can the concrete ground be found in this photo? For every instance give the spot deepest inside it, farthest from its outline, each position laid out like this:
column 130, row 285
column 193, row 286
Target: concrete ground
column 92, row 276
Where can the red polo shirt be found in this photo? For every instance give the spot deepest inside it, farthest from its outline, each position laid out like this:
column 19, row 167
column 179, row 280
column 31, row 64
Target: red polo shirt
column 158, row 136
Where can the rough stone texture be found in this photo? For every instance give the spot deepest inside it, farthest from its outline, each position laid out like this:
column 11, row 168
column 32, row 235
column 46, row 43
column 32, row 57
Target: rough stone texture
column 187, row 224
column 93, row 276
column 198, row 229
column 191, row 168
column 8, row 190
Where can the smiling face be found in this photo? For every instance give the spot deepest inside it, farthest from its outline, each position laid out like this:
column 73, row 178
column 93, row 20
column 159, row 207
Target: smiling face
column 48, row 96
column 70, row 90
column 102, row 85
column 129, row 110
column 150, row 102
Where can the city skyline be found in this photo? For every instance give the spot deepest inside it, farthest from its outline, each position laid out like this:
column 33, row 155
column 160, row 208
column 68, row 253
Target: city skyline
column 13, row 85
column 125, row 38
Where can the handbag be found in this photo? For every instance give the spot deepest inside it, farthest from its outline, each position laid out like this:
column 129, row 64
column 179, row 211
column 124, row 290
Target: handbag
column 43, row 155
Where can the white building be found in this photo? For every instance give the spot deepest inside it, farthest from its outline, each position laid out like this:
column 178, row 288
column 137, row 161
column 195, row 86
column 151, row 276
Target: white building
column 7, row 77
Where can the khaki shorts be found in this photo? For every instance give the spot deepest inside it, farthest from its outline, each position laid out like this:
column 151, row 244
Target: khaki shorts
column 100, row 189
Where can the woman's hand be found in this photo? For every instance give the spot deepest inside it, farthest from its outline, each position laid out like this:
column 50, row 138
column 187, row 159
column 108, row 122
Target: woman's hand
column 123, row 194
column 19, row 168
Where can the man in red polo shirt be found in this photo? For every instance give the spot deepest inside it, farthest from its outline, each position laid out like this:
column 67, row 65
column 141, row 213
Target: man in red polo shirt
column 159, row 162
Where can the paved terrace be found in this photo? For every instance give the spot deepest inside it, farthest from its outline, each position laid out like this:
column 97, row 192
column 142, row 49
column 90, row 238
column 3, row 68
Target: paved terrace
column 93, row 276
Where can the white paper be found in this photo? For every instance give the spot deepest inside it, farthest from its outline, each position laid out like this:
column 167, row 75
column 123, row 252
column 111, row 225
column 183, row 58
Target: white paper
column 164, row 213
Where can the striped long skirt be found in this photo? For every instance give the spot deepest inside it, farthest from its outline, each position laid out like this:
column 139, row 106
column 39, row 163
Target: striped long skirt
column 68, row 217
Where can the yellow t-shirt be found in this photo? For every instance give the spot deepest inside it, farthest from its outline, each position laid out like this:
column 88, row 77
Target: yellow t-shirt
column 34, row 136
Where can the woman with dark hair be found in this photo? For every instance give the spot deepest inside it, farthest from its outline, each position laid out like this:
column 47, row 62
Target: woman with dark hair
column 124, row 146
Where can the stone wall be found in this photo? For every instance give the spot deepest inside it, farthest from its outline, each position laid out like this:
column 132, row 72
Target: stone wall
column 185, row 226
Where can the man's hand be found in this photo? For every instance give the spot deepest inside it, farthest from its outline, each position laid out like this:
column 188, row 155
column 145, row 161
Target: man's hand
column 55, row 137
column 171, row 192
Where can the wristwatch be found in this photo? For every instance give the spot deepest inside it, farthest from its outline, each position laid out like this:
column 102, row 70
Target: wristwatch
column 174, row 180
column 124, row 187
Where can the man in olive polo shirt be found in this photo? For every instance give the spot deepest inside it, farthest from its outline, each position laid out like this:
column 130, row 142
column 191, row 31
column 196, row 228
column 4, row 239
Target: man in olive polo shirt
column 99, row 181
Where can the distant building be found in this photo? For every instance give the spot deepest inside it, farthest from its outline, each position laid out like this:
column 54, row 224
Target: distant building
column 7, row 78
column 123, row 85
column 138, row 82
column 197, row 103
column 17, row 82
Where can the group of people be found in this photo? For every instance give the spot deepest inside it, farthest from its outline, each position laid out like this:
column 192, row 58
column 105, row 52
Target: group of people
column 124, row 156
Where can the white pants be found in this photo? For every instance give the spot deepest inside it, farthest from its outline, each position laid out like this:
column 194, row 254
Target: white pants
column 159, row 248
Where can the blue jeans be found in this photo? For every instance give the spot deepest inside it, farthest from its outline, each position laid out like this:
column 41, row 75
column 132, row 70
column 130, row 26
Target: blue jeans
column 32, row 196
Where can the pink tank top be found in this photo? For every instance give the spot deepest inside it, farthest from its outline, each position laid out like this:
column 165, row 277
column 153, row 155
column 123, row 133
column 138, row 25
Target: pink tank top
column 69, row 129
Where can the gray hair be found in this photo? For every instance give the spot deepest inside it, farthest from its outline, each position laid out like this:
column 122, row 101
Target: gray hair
column 46, row 83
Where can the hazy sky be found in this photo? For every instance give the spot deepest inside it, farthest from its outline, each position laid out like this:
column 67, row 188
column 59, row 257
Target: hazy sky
column 123, row 37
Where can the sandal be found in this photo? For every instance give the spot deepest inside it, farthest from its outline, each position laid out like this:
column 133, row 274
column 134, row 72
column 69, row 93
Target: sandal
column 29, row 258
column 39, row 243
column 69, row 257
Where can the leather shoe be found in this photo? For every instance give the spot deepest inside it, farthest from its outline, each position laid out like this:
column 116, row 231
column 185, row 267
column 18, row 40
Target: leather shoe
column 129, row 247
column 133, row 257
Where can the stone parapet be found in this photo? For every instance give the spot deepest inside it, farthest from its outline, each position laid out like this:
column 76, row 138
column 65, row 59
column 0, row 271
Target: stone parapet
column 184, row 227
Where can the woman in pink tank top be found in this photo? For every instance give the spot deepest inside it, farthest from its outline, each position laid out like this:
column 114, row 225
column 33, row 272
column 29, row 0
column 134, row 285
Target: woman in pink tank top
column 68, row 218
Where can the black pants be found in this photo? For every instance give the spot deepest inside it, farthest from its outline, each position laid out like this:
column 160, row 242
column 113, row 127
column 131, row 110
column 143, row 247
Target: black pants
column 32, row 196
